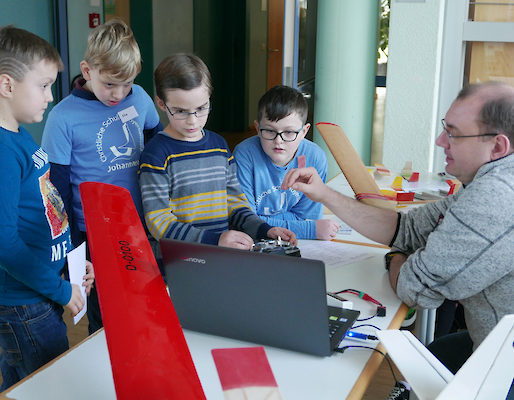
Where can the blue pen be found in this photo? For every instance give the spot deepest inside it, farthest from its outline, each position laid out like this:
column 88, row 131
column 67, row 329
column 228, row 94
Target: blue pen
column 356, row 335
column 362, row 336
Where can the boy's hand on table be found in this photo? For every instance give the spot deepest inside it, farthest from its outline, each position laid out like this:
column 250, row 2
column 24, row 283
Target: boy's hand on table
column 326, row 229
column 76, row 302
column 285, row 234
column 89, row 278
column 236, row 240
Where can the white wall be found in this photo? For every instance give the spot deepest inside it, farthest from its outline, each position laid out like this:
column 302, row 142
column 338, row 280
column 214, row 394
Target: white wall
column 79, row 30
column 413, row 76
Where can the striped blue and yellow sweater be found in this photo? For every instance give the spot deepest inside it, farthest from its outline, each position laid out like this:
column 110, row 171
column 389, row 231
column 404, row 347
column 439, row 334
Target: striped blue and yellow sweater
column 190, row 190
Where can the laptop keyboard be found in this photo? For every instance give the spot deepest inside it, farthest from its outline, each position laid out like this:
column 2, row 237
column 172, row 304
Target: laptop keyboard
column 339, row 322
column 333, row 327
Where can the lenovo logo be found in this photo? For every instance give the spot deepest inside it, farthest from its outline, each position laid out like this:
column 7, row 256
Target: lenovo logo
column 194, row 260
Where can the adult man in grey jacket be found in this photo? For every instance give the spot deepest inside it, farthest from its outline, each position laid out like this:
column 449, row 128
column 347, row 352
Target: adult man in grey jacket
column 459, row 248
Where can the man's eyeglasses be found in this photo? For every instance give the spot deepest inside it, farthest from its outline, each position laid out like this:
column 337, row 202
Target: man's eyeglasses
column 180, row 115
column 450, row 136
column 286, row 136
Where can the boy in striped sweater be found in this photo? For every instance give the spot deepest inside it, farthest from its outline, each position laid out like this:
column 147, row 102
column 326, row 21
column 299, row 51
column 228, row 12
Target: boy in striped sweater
column 187, row 175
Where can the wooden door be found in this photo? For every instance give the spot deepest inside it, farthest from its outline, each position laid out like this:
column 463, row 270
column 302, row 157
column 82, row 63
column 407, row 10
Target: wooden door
column 275, row 42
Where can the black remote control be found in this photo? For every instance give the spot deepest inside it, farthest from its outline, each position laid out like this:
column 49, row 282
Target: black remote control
column 279, row 247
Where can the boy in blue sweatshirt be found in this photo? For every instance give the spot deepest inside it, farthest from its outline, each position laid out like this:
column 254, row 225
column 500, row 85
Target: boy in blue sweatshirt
column 35, row 235
column 187, row 174
column 263, row 161
column 97, row 133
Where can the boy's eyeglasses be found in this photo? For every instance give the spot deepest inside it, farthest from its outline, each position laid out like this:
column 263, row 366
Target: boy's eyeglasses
column 450, row 136
column 286, row 136
column 181, row 115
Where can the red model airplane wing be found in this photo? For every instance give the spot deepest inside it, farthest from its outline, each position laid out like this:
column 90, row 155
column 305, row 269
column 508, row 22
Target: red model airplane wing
column 149, row 354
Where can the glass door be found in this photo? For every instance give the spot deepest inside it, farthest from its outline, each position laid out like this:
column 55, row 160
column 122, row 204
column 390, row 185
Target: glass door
column 304, row 65
column 36, row 16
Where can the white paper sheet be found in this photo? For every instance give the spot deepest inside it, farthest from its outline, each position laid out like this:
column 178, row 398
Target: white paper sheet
column 333, row 254
column 77, row 270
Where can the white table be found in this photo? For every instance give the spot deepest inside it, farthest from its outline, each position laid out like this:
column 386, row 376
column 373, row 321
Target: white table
column 84, row 371
column 425, row 318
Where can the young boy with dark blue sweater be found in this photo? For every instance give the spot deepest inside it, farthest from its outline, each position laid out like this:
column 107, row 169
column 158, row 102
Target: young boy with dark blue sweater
column 35, row 236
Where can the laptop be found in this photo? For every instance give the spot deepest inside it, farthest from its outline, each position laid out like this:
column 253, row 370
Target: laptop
column 268, row 299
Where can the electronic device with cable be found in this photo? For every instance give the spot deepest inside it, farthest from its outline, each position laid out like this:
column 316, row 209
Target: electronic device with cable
column 278, row 246
column 381, row 309
column 261, row 298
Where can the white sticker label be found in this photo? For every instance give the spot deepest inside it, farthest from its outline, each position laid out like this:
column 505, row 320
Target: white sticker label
column 127, row 114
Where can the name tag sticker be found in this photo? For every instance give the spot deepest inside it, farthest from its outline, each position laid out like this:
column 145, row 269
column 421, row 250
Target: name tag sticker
column 128, row 113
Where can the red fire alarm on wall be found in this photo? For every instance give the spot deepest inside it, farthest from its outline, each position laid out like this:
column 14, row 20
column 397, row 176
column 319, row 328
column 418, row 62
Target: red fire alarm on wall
column 94, row 20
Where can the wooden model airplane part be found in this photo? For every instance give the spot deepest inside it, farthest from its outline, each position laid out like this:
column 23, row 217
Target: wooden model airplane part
column 397, row 183
column 408, row 174
column 399, row 196
column 414, row 177
column 356, row 173
column 149, row 355
column 381, row 170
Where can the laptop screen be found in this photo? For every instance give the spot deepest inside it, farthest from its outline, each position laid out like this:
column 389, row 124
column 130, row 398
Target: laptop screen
column 262, row 298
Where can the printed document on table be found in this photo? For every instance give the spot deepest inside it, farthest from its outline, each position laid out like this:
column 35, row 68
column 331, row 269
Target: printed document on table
column 333, row 254
column 77, row 270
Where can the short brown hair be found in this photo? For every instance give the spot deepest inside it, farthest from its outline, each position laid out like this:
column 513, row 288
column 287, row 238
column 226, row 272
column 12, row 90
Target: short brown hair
column 497, row 115
column 112, row 49
column 21, row 49
column 497, row 111
column 281, row 101
column 181, row 71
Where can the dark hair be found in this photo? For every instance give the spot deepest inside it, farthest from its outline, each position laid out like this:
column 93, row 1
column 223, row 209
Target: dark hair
column 181, row 71
column 497, row 115
column 281, row 101
column 497, row 111
column 21, row 49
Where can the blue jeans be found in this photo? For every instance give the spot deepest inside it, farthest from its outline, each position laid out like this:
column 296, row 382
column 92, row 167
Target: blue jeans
column 30, row 336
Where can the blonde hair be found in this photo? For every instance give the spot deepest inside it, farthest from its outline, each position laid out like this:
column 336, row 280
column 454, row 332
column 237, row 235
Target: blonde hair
column 21, row 49
column 112, row 49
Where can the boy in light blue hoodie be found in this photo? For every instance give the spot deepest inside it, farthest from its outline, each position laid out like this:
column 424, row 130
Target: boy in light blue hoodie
column 263, row 161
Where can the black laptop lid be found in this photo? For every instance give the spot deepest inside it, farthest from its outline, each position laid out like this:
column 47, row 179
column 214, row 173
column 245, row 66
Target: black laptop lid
column 262, row 298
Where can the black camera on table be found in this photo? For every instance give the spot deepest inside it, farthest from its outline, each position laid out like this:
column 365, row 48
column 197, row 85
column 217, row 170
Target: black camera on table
column 277, row 246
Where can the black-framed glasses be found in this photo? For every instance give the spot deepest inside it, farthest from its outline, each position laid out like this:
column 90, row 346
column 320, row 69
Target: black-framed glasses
column 286, row 136
column 181, row 115
column 450, row 136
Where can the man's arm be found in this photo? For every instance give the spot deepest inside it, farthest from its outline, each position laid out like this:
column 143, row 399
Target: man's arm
column 394, row 268
column 460, row 245
column 375, row 223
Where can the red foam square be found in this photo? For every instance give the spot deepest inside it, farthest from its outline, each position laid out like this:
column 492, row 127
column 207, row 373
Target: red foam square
column 243, row 367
